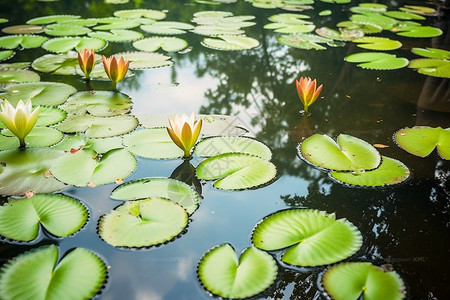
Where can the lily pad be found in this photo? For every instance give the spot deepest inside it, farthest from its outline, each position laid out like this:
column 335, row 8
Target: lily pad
column 80, row 141
column 172, row 189
column 431, row 67
column 303, row 41
column 116, row 23
column 60, row 215
column 58, row 64
column 167, row 27
column 65, row 44
column 86, row 167
column 420, row 32
column 347, row 154
column 231, row 43
column 420, row 10
column 290, row 28
column 98, row 127
column 49, row 115
column 38, row 274
column 152, row 44
column 362, row 280
column 421, row 140
column 289, row 18
column 236, row 171
column 376, row 19
column 223, row 274
column 27, row 170
column 312, row 237
column 42, row 93
column 225, row 144
column 217, row 31
column 100, row 103
column 51, row 19
column 377, row 60
column 6, row 54
column 17, row 75
column 66, row 30
column 403, row 15
column 377, row 43
column 24, row 41
column 143, row 223
column 117, row 35
column 152, row 143
column 38, row 137
column 140, row 13
column 432, row 53
column 145, row 60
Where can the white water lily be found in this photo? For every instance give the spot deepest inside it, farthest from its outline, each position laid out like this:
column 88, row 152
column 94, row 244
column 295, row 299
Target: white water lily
column 19, row 120
column 184, row 131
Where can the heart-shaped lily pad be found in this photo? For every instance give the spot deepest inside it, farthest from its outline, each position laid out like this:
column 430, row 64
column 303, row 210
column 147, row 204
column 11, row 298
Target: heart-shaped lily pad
column 59, row 64
column 38, row 137
column 65, row 44
column 236, row 171
column 140, row 13
column 377, row 60
column 66, row 30
column 167, row 27
column 377, row 43
column 38, row 275
column 86, row 167
column 60, row 215
column 230, row 43
column 347, row 154
column 143, row 223
column 145, row 60
column 362, row 280
column 42, row 93
column 421, row 140
column 172, row 189
column 222, row 273
column 431, row 67
column 51, row 19
column 116, row 23
column 117, row 35
column 152, row 44
column 420, row 32
column 312, row 237
column 24, row 41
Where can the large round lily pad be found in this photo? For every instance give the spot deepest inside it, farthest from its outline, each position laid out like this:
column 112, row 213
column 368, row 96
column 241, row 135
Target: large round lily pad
column 59, row 64
column 421, row 140
column 152, row 44
column 38, row 137
column 42, row 93
column 65, row 44
column 312, row 237
column 17, row 75
column 117, row 35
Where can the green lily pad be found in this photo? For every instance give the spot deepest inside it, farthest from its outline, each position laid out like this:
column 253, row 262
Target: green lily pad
column 172, row 189
column 342, row 35
column 377, row 60
column 85, row 167
column 377, row 43
column 167, row 27
column 51, row 19
column 38, row 137
column 145, row 60
column 60, row 215
column 140, row 13
column 390, row 172
column 42, row 93
column 225, row 144
column 16, row 65
column 217, row 31
column 223, row 274
column 350, row 26
column 231, row 43
column 38, row 274
column 420, row 32
column 24, row 41
column 65, row 44
column 290, row 28
column 80, row 22
column 17, row 75
column 116, row 23
column 3, row 20
column 376, row 19
column 100, row 103
column 152, row 44
column 58, row 64
column 403, row 15
column 80, row 141
column 420, row 10
column 347, row 154
column 421, row 140
column 432, row 53
column 289, row 18
column 26, row 170
column 116, row 35
column 362, row 280
column 66, row 30
column 312, row 237
column 98, row 127
column 303, row 41
column 369, row 7
column 152, row 143
column 236, row 171
column 431, row 67
column 6, row 54
column 143, row 223
column 49, row 115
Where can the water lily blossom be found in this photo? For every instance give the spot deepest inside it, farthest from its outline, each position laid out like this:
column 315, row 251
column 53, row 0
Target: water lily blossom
column 116, row 69
column 307, row 91
column 19, row 120
column 86, row 59
column 184, row 131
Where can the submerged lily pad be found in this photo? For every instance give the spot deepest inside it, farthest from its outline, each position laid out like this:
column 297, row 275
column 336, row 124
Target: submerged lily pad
column 377, row 43
column 37, row 274
column 230, row 43
column 223, row 274
column 117, row 35
column 60, row 215
column 236, row 171
column 312, row 237
column 27, row 170
column 85, row 167
column 100, row 103
column 65, row 44
column 362, row 280
column 145, row 60
column 172, row 189
column 42, row 93
column 377, row 60
column 421, row 140
column 143, row 223
column 24, row 41
column 58, row 64
column 152, row 44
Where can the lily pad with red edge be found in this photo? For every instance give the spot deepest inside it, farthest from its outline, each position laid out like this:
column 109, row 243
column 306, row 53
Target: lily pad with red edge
column 377, row 60
column 422, row 140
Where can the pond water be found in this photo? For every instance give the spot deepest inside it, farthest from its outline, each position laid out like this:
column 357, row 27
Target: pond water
column 406, row 225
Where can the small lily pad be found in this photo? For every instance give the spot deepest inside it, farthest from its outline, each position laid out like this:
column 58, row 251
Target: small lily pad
column 65, row 44
column 117, row 35
column 24, row 41
column 152, row 44
column 6, row 54
column 377, row 60
column 290, row 28
column 140, row 13
column 223, row 274
column 231, row 43
column 49, row 115
column 421, row 140
column 377, row 43
column 143, row 223
column 42, row 93
column 60, row 215
column 167, row 27
column 145, row 60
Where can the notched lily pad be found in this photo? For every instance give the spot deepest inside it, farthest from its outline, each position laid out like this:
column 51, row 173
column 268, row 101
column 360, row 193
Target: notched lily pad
column 42, row 93
column 431, row 67
column 145, row 60
column 24, row 41
column 51, row 19
column 230, row 43
column 66, row 30
column 117, row 35
column 17, row 76
column 303, row 41
column 58, row 64
column 152, row 44
column 65, row 44
column 167, row 27
column 377, row 43
column 377, row 60
column 421, row 140
column 140, row 13
column 38, row 137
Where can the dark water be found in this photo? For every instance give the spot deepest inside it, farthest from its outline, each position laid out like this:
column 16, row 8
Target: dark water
column 405, row 225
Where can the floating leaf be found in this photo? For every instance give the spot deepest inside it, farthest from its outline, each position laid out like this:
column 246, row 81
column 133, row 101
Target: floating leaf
column 172, row 189
column 377, row 43
column 432, row 53
column 49, row 115
column 6, row 54
column 350, row 27
column 402, row 15
column 369, row 8
column 222, row 273
column 347, row 154
column 37, row 274
column 167, row 27
column 376, row 19
column 116, row 23
column 3, row 20
column 86, row 167
column 60, row 45
column 377, row 60
column 58, row 64
column 42, row 93
column 51, row 19
column 230, row 43
column 98, row 127
column 24, row 41
column 140, row 13
column 152, row 143
column 143, row 223
column 226, row 144
column 290, row 28
column 420, row 32
column 390, row 172
column 342, row 35
column 421, row 140
column 236, row 171
column 145, row 60
column 362, row 280
column 117, row 35
column 312, row 237
column 60, row 215
column 431, row 67
column 152, row 44
column 420, row 10
column 24, row 170
column 15, row 76
column 38, row 137
column 100, row 103
column 80, row 141
column 289, row 18
column 303, row 41
column 66, row 30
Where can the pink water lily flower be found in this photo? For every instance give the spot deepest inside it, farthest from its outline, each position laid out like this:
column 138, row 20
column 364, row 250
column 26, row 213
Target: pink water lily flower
column 307, row 91
column 184, row 132
column 116, row 69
